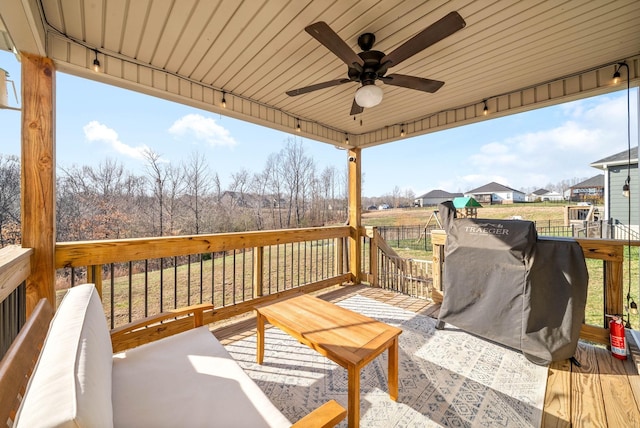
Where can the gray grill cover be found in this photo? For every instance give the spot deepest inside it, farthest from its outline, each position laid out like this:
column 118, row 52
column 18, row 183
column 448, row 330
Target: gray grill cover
column 504, row 284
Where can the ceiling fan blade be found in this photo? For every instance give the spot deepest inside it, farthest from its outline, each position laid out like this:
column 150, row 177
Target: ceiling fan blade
column 355, row 108
column 325, row 35
column 311, row 88
column 412, row 82
column 434, row 33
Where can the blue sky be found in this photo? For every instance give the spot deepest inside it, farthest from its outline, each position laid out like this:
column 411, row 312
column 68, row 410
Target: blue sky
column 96, row 121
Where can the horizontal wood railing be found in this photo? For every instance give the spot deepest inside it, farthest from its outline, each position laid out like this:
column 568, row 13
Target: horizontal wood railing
column 15, row 267
column 137, row 278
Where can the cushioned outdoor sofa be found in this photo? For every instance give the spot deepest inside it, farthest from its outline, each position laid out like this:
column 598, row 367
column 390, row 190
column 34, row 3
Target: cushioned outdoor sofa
column 187, row 379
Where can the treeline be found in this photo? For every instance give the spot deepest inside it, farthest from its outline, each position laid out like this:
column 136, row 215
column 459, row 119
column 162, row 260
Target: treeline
column 109, row 202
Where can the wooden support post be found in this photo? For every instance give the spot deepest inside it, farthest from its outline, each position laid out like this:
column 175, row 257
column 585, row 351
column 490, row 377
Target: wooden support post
column 355, row 213
column 39, row 175
column 258, row 263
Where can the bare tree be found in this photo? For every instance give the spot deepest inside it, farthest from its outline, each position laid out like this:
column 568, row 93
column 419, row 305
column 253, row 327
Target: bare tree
column 9, row 200
column 296, row 169
column 198, row 186
column 157, row 175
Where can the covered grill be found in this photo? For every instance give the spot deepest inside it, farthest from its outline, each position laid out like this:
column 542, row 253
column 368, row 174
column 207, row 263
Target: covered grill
column 503, row 283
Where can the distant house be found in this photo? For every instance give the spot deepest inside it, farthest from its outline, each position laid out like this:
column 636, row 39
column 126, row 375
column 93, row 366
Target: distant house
column 434, row 197
column 616, row 170
column 496, row 193
column 544, row 195
column 590, row 190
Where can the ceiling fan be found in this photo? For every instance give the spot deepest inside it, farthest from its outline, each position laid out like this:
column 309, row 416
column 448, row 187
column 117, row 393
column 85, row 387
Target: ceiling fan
column 369, row 65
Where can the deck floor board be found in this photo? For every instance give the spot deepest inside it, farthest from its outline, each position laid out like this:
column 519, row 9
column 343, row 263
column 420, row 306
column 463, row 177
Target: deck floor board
column 603, row 392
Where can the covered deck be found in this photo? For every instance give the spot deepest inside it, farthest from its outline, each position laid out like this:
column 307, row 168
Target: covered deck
column 507, row 59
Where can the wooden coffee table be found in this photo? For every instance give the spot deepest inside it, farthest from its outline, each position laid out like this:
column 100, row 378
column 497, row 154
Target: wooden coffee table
column 348, row 338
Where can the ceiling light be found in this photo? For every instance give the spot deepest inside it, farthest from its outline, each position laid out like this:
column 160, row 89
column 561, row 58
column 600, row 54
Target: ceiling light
column 485, row 110
column 96, row 63
column 224, row 101
column 369, row 96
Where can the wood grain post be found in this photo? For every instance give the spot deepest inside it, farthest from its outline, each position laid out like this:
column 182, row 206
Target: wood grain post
column 258, row 263
column 94, row 276
column 613, row 289
column 339, row 256
column 355, row 211
column 39, row 175
column 373, row 257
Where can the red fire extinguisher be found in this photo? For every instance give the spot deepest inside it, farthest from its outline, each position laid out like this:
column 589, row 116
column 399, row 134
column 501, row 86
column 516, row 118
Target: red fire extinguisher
column 617, row 338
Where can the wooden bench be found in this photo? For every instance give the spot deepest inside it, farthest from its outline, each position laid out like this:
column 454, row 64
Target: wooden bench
column 187, row 377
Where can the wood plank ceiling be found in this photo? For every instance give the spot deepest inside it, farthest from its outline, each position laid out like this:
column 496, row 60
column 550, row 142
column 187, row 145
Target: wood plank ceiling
column 516, row 55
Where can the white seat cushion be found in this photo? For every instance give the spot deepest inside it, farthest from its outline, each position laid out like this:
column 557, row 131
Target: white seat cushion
column 71, row 384
column 187, row 380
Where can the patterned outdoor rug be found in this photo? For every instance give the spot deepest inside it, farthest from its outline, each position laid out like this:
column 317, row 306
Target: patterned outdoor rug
column 446, row 377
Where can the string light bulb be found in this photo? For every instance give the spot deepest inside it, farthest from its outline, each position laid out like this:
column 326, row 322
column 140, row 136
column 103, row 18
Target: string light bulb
column 96, row 62
column 616, row 76
column 346, row 138
column 298, row 125
column 224, row 101
column 626, row 188
column 402, row 130
column 485, row 110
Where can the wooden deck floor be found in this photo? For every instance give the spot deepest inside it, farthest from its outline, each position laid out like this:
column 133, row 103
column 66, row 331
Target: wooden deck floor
column 603, row 392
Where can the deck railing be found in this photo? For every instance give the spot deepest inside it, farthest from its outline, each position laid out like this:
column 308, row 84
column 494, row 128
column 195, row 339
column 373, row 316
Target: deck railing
column 15, row 267
column 235, row 271
column 142, row 277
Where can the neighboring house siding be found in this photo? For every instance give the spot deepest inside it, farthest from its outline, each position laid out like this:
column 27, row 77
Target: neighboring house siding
column 618, row 204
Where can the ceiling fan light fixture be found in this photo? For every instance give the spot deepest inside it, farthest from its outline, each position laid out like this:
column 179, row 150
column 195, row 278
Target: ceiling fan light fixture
column 369, row 96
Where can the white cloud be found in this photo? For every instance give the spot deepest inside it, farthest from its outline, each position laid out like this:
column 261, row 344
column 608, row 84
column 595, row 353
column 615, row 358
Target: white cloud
column 95, row 131
column 202, row 128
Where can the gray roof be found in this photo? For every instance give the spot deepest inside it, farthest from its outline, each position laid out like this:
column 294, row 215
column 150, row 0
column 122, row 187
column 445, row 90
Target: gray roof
column 437, row 193
column 597, row 181
column 493, row 187
column 618, row 159
column 540, row 192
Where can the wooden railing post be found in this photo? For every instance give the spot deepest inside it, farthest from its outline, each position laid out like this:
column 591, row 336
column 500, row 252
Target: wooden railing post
column 339, row 256
column 38, row 164
column 258, row 279
column 94, row 276
column 373, row 257
column 438, row 239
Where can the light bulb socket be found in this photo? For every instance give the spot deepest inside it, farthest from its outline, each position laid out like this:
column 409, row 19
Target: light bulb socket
column 626, row 188
column 298, row 126
column 96, row 62
column 485, row 110
column 224, row 100
column 633, row 308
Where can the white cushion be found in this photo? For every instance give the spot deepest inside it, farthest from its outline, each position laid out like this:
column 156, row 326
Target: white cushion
column 187, row 380
column 71, row 384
